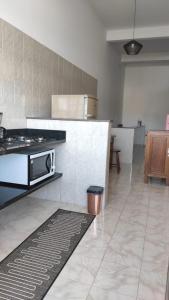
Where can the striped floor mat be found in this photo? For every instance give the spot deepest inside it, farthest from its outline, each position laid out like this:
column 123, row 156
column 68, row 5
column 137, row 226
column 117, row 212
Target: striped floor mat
column 29, row 271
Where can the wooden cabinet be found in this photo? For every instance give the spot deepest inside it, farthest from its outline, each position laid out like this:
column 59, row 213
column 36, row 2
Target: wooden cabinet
column 157, row 155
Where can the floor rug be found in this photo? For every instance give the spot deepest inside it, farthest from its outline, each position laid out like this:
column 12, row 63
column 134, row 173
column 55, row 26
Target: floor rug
column 29, row 271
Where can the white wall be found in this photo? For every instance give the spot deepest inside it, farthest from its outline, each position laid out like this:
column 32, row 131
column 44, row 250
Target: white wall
column 71, row 29
column 146, row 94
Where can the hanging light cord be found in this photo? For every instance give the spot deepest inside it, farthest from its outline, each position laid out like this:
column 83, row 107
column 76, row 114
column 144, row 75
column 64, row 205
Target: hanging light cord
column 133, row 47
column 134, row 23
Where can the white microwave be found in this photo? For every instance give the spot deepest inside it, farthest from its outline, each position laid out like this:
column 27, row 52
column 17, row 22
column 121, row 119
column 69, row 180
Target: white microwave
column 27, row 167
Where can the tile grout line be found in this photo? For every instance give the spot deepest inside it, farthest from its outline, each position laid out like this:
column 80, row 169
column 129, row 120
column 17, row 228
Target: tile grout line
column 143, row 239
column 123, row 208
column 143, row 248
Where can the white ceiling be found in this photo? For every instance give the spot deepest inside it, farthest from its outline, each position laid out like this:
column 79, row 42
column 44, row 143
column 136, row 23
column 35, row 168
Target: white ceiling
column 118, row 14
column 152, row 22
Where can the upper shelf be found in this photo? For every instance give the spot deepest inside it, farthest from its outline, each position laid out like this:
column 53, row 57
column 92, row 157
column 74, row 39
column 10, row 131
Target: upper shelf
column 11, row 193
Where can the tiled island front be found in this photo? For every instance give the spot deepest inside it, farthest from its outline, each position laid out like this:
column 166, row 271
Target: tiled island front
column 83, row 159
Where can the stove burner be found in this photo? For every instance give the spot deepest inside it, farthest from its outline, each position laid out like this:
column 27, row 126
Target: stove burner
column 20, row 138
column 24, row 139
column 40, row 139
column 10, row 139
column 29, row 140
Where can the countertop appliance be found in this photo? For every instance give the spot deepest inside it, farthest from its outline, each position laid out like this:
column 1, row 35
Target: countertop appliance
column 1, row 115
column 27, row 167
column 74, row 107
column 3, row 131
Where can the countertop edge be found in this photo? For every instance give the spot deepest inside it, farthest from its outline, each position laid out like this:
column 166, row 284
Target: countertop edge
column 29, row 190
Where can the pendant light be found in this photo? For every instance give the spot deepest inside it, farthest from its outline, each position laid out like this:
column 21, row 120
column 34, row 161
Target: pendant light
column 133, row 47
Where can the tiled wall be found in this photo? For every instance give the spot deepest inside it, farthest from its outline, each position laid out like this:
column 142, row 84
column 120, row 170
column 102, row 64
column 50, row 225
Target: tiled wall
column 30, row 73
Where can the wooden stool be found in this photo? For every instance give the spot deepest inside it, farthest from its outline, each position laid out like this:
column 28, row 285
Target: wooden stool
column 111, row 150
column 117, row 164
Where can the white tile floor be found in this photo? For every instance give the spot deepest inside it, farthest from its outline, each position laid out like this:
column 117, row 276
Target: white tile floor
column 123, row 256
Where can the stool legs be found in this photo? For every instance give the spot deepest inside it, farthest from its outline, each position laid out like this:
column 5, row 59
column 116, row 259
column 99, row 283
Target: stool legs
column 117, row 158
column 118, row 162
column 111, row 158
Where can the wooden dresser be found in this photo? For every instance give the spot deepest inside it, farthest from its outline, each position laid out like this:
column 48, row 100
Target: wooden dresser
column 157, row 155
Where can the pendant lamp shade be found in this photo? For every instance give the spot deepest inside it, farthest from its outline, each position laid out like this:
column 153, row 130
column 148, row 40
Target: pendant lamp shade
column 133, row 47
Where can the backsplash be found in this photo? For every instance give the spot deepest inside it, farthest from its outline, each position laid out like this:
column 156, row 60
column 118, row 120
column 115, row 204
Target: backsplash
column 30, row 73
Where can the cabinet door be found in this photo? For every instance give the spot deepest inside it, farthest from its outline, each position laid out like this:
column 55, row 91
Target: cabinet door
column 157, row 155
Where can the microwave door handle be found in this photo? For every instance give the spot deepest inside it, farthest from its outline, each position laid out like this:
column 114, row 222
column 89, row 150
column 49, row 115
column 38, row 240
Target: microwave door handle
column 48, row 163
column 52, row 158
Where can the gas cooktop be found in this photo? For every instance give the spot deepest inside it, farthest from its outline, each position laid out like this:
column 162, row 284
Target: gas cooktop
column 22, row 138
column 20, row 141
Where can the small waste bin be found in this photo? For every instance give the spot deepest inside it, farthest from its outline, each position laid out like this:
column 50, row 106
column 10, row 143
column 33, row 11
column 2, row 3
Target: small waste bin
column 94, row 195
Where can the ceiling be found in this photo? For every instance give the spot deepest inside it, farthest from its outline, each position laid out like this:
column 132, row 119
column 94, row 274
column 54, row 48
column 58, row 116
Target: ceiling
column 152, row 20
column 118, row 14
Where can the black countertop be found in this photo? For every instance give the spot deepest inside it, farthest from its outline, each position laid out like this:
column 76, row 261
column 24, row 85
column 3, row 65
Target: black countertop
column 10, row 193
column 52, row 137
column 57, row 134
column 66, row 119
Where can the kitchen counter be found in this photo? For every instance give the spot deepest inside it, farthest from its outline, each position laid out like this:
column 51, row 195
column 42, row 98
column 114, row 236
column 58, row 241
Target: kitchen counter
column 129, row 127
column 79, row 159
column 126, row 139
column 19, row 140
column 11, row 193
column 51, row 137
column 4, row 150
column 68, row 120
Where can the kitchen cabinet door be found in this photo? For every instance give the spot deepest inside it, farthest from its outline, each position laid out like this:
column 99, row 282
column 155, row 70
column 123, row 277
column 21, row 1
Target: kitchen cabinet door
column 156, row 156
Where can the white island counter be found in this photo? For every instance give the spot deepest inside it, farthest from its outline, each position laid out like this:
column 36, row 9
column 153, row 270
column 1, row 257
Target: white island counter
column 126, row 138
column 83, row 159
